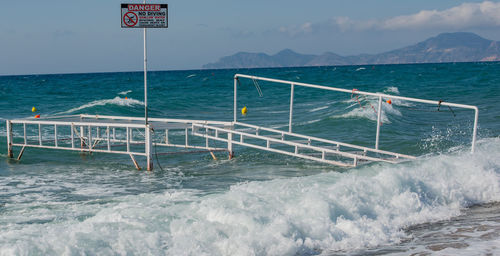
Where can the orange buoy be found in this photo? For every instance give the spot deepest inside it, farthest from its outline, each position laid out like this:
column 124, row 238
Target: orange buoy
column 389, row 101
column 126, row 98
column 37, row 116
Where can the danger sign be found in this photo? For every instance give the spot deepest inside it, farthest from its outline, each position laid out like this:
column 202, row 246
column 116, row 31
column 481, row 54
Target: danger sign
column 144, row 15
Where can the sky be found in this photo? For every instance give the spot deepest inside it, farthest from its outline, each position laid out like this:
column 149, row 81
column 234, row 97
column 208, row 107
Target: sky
column 61, row 36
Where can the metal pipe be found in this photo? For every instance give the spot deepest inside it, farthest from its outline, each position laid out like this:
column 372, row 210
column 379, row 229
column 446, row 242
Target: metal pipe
column 82, row 142
column 358, row 92
column 55, row 135
column 128, row 140
column 148, row 151
column 108, row 137
column 235, row 108
column 474, row 131
column 40, row 134
column 89, row 140
column 379, row 111
column 9, row 139
column 72, row 136
column 291, row 109
column 24, row 134
column 145, row 79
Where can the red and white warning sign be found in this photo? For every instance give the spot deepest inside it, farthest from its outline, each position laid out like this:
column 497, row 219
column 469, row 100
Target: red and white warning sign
column 144, row 15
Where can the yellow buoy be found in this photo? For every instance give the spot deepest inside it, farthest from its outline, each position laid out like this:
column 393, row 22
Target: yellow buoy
column 244, row 111
column 33, row 109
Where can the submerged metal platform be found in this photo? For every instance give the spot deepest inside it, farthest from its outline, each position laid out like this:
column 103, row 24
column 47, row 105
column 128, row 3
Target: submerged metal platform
column 131, row 136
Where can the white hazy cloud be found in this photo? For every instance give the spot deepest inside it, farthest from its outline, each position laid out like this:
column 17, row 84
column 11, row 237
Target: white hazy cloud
column 467, row 15
column 464, row 16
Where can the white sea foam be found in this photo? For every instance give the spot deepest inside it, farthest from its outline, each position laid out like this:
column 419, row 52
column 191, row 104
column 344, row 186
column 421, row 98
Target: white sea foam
column 368, row 110
column 361, row 208
column 192, row 75
column 318, row 109
column 115, row 101
column 361, row 68
column 125, row 92
column 392, row 89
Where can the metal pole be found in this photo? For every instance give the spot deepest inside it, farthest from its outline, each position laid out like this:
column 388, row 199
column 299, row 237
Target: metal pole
column 379, row 111
column 55, row 135
column 9, row 139
column 72, row 136
column 148, row 151
column 235, row 94
column 145, row 80
column 291, row 110
column 474, row 132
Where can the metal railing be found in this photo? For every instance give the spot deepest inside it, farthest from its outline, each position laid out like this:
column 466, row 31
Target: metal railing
column 378, row 95
column 103, row 134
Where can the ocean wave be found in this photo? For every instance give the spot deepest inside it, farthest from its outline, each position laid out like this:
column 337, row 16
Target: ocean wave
column 392, row 89
column 318, row 109
column 125, row 92
column 367, row 109
column 117, row 101
column 362, row 208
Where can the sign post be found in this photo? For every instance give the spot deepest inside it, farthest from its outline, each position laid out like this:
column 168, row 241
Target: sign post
column 145, row 16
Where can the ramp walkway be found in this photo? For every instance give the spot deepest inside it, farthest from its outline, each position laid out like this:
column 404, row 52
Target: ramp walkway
column 131, row 136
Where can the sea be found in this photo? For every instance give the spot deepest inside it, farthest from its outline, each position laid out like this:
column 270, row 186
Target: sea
column 445, row 202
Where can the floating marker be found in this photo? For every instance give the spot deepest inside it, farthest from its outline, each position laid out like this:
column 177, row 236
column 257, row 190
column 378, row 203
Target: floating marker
column 33, row 109
column 389, row 101
column 37, row 116
column 244, row 111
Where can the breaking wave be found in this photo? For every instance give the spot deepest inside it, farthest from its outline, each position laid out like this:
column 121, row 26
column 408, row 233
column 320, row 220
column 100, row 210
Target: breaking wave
column 362, row 208
column 117, row 101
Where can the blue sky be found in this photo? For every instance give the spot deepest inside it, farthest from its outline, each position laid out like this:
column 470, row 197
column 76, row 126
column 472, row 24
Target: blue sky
column 61, row 36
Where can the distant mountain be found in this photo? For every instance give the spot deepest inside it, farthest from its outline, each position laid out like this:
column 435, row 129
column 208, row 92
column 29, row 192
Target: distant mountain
column 285, row 58
column 446, row 47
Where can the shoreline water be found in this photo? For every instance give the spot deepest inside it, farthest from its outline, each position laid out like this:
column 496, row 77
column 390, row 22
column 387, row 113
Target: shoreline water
column 261, row 203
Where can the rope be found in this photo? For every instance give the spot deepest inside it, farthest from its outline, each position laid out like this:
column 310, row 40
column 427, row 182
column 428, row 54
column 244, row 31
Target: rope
column 257, row 86
column 439, row 105
column 357, row 99
column 156, row 154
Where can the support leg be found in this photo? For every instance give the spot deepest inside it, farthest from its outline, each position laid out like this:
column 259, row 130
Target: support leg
column 9, row 139
column 213, row 155
column 149, row 153
column 21, row 153
column 230, row 145
column 135, row 162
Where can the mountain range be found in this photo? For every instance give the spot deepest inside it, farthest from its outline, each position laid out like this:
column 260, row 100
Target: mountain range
column 446, row 47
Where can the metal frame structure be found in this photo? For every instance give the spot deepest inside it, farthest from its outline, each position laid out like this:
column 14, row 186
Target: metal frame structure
column 105, row 134
column 115, row 134
column 378, row 95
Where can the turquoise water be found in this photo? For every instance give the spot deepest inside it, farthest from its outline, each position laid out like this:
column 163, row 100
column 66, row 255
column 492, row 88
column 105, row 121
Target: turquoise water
column 261, row 203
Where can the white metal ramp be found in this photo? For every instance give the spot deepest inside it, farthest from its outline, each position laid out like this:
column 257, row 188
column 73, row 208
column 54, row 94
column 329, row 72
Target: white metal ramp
column 134, row 137
column 297, row 145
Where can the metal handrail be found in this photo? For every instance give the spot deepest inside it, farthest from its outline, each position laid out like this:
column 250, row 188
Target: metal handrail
column 379, row 95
